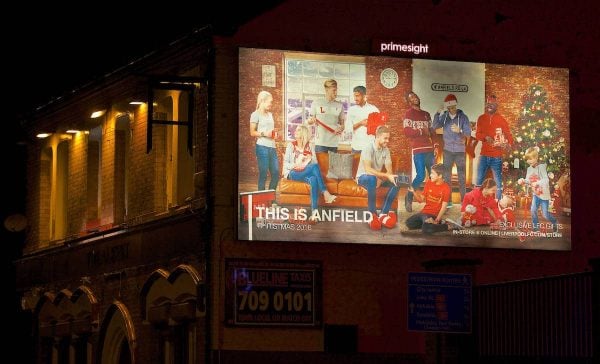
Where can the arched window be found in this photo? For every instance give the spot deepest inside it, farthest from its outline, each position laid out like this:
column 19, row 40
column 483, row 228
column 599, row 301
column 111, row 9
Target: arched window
column 64, row 326
column 117, row 339
column 171, row 304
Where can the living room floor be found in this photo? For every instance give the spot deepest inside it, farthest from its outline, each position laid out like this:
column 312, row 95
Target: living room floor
column 359, row 232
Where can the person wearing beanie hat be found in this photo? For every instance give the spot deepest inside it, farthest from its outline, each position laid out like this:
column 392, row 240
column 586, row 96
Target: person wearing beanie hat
column 494, row 133
column 456, row 129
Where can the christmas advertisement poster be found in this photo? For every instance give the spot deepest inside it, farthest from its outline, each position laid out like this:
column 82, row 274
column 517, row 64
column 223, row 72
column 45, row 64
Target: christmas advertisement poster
column 383, row 150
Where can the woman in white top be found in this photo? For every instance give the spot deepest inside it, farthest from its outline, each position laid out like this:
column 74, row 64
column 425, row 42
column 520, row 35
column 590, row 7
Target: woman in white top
column 262, row 126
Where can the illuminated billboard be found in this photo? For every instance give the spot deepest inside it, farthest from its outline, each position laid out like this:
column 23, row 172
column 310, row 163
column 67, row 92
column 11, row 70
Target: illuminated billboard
column 386, row 150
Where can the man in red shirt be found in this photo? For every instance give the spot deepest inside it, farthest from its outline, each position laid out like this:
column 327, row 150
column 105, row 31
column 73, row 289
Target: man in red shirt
column 418, row 129
column 493, row 131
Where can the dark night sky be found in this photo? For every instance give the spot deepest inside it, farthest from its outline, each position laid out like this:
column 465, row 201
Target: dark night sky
column 56, row 49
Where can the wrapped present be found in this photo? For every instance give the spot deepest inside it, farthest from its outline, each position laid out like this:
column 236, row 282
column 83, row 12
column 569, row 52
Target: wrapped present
column 510, row 192
column 525, row 202
column 375, row 120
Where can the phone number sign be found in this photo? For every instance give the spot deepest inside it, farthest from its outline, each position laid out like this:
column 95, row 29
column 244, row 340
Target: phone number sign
column 272, row 293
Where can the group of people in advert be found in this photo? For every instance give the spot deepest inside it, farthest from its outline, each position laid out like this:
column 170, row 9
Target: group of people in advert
column 484, row 204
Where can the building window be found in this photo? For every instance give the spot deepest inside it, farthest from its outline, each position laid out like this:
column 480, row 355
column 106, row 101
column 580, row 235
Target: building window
column 304, row 84
column 170, row 137
column 122, row 165
column 53, row 189
column 116, row 331
column 59, row 223
column 94, row 177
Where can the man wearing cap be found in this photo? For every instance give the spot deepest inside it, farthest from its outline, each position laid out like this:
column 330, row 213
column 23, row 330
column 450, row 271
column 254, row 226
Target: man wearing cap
column 356, row 120
column 493, row 131
column 418, row 129
column 328, row 114
column 456, row 129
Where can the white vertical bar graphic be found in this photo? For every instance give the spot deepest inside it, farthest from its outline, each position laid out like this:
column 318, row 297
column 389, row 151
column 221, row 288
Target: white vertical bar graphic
column 250, row 212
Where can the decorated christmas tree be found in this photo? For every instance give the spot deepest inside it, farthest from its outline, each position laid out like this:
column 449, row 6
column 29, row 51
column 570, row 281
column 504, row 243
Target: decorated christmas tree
column 536, row 127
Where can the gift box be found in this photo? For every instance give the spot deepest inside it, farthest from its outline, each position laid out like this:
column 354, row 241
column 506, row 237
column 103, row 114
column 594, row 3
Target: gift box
column 525, row 202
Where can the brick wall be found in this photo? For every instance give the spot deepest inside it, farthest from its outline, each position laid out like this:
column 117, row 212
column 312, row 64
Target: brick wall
column 250, row 81
column 93, row 169
column 392, row 102
column 141, row 183
column 45, row 187
column 159, row 159
column 34, row 192
column 76, row 213
column 119, row 174
column 107, row 169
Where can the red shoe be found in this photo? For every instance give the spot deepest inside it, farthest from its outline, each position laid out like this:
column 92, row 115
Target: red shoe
column 388, row 220
column 375, row 224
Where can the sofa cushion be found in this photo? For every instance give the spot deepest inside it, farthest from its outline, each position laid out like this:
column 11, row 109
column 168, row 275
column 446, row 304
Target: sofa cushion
column 349, row 187
column 293, row 187
column 340, row 165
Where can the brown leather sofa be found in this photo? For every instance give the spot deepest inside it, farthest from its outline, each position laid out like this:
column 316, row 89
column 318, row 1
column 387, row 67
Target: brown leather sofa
column 348, row 192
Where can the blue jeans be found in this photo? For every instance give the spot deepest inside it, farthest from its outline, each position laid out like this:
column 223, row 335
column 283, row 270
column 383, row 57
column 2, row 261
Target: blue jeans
column 495, row 163
column 423, row 161
column 322, row 148
column 267, row 161
column 369, row 182
column 311, row 175
column 534, row 215
column 450, row 158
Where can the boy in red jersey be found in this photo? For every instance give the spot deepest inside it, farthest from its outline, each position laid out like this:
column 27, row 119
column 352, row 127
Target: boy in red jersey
column 436, row 195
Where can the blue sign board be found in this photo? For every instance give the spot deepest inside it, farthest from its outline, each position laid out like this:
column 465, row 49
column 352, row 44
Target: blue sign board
column 439, row 302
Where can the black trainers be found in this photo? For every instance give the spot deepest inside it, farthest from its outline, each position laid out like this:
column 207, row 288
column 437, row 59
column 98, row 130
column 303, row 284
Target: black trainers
column 408, row 200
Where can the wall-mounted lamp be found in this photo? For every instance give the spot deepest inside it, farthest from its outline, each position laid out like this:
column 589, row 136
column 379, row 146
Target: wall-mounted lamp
column 136, row 103
column 43, row 135
column 72, row 131
column 97, row 114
